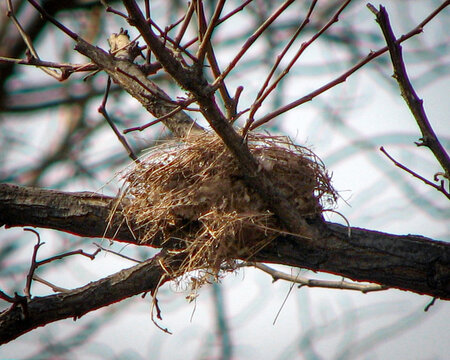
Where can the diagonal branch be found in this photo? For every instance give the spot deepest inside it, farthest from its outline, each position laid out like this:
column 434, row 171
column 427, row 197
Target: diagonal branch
column 415, row 104
column 194, row 82
column 343, row 77
column 131, row 78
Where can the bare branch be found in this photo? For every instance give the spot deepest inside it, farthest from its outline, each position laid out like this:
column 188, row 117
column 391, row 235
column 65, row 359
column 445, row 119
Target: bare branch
column 372, row 55
column 328, row 284
column 439, row 188
column 251, row 40
column 76, row 303
column 123, row 141
column 408, row 262
column 415, row 104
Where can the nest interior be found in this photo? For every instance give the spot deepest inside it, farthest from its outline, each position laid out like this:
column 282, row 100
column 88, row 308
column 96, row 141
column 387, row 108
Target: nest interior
column 192, row 196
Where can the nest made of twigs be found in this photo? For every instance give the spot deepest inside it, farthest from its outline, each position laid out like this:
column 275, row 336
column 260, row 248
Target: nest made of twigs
column 192, row 196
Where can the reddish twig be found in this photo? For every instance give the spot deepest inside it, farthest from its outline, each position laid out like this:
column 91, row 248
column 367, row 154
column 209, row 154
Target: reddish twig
column 372, row 55
column 111, row 10
column 188, row 18
column 264, row 92
column 167, row 38
column 55, row 22
column 439, row 188
column 35, row 264
column 234, row 12
column 205, row 32
column 186, row 21
column 205, row 44
column 251, row 40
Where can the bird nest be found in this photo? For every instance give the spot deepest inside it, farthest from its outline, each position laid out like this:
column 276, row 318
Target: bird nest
column 191, row 197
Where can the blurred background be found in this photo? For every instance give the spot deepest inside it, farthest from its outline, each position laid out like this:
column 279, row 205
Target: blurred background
column 52, row 136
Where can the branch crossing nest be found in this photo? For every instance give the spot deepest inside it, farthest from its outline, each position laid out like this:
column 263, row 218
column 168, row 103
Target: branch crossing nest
column 191, row 197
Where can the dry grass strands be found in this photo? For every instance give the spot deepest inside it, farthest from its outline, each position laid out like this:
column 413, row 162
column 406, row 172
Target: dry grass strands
column 191, row 197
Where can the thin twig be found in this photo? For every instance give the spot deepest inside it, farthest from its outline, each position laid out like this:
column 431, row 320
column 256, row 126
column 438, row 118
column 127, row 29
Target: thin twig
column 55, row 288
column 32, row 61
column 303, row 47
column 162, row 118
column 29, row 43
column 187, row 19
column 234, row 12
column 372, row 55
column 415, row 104
column 167, row 38
column 110, row 9
column 280, row 57
column 123, row 141
column 439, row 188
column 117, row 253
column 251, row 40
column 55, row 22
column 230, row 105
column 34, row 263
column 206, row 37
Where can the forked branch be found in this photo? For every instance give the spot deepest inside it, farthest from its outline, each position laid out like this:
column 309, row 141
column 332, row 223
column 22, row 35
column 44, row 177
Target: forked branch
column 415, row 104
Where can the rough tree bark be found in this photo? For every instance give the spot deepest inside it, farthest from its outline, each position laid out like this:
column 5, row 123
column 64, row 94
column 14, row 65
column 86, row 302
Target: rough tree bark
column 409, row 262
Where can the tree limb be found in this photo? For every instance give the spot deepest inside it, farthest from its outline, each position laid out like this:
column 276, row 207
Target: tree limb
column 408, row 262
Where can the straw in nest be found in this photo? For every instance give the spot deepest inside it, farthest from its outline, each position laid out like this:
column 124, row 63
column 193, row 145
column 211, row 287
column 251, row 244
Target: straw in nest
column 192, row 197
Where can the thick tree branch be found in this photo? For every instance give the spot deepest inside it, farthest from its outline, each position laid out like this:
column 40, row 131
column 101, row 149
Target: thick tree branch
column 82, row 213
column 408, row 262
column 132, row 79
column 136, row 83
